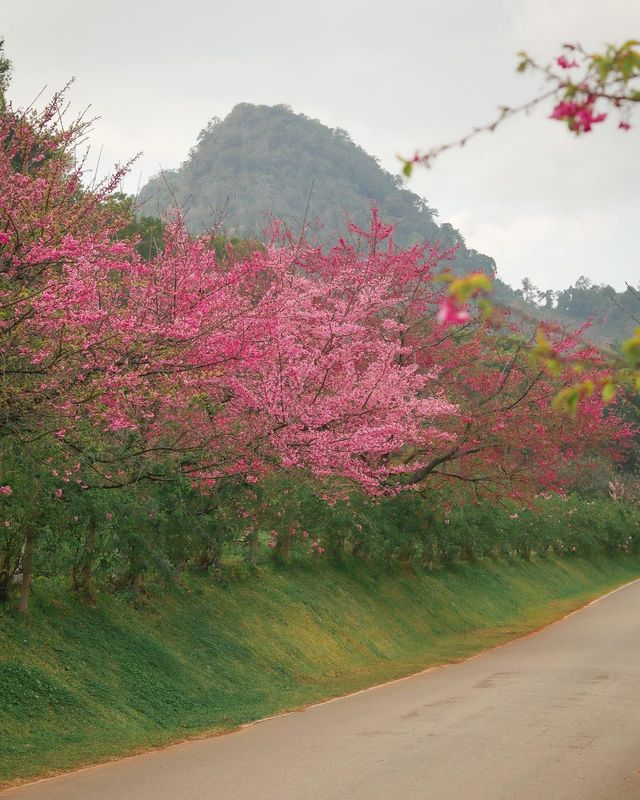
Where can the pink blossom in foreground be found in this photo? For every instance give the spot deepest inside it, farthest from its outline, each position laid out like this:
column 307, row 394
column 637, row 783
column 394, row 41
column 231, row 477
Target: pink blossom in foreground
column 6, row 490
column 296, row 357
column 579, row 116
column 585, row 118
column 563, row 62
column 450, row 313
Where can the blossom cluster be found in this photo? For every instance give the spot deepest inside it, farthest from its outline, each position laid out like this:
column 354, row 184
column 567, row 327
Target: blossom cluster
column 330, row 361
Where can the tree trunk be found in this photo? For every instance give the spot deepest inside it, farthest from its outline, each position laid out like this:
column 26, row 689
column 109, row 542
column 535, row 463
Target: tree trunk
column 27, row 565
column 252, row 551
column 216, row 564
column 5, row 586
column 283, row 550
column 6, row 574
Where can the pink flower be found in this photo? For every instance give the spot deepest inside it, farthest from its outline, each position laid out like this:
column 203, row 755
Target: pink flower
column 625, row 126
column 58, row 493
column 450, row 312
column 565, row 109
column 563, row 62
column 579, row 116
column 4, row 238
column 585, row 118
column 119, row 248
column 108, row 516
column 6, row 490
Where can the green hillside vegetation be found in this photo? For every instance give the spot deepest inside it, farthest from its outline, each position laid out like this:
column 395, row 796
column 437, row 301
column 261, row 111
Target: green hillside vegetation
column 267, row 161
column 611, row 315
column 81, row 684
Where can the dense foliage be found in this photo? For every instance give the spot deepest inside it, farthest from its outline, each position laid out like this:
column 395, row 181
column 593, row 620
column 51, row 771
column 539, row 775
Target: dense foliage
column 157, row 532
column 164, row 402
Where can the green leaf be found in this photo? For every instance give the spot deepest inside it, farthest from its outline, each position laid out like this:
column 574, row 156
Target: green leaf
column 407, row 169
column 485, row 307
column 626, row 68
column 554, row 366
column 631, row 349
column 609, row 391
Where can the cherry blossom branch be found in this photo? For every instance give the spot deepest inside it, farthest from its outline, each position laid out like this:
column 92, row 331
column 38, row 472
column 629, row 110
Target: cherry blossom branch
column 608, row 79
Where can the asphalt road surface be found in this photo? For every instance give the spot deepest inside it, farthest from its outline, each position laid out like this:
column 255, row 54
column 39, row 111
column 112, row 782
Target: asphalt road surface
column 554, row 716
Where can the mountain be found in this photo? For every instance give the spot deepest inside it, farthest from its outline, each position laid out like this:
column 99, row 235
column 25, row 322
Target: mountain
column 263, row 161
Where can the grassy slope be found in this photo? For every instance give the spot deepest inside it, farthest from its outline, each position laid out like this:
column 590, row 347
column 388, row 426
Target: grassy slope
column 79, row 685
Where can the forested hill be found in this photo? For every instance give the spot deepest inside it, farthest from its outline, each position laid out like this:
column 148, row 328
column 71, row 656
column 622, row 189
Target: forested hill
column 268, row 160
column 263, row 161
column 611, row 315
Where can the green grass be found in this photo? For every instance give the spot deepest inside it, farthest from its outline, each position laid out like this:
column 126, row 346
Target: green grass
column 80, row 685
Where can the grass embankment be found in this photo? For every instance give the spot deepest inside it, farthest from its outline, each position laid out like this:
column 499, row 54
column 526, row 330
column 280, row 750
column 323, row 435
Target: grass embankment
column 79, row 685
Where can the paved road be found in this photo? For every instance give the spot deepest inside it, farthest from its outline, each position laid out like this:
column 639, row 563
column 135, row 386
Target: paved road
column 555, row 716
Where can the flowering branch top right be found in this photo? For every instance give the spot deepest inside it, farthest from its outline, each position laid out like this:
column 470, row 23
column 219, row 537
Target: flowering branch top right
column 588, row 86
column 586, row 89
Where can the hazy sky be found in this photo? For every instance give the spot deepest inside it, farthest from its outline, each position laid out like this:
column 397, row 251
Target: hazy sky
column 395, row 75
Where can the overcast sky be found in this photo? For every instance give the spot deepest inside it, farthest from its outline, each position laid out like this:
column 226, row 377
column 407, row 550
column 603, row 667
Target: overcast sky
column 396, row 75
